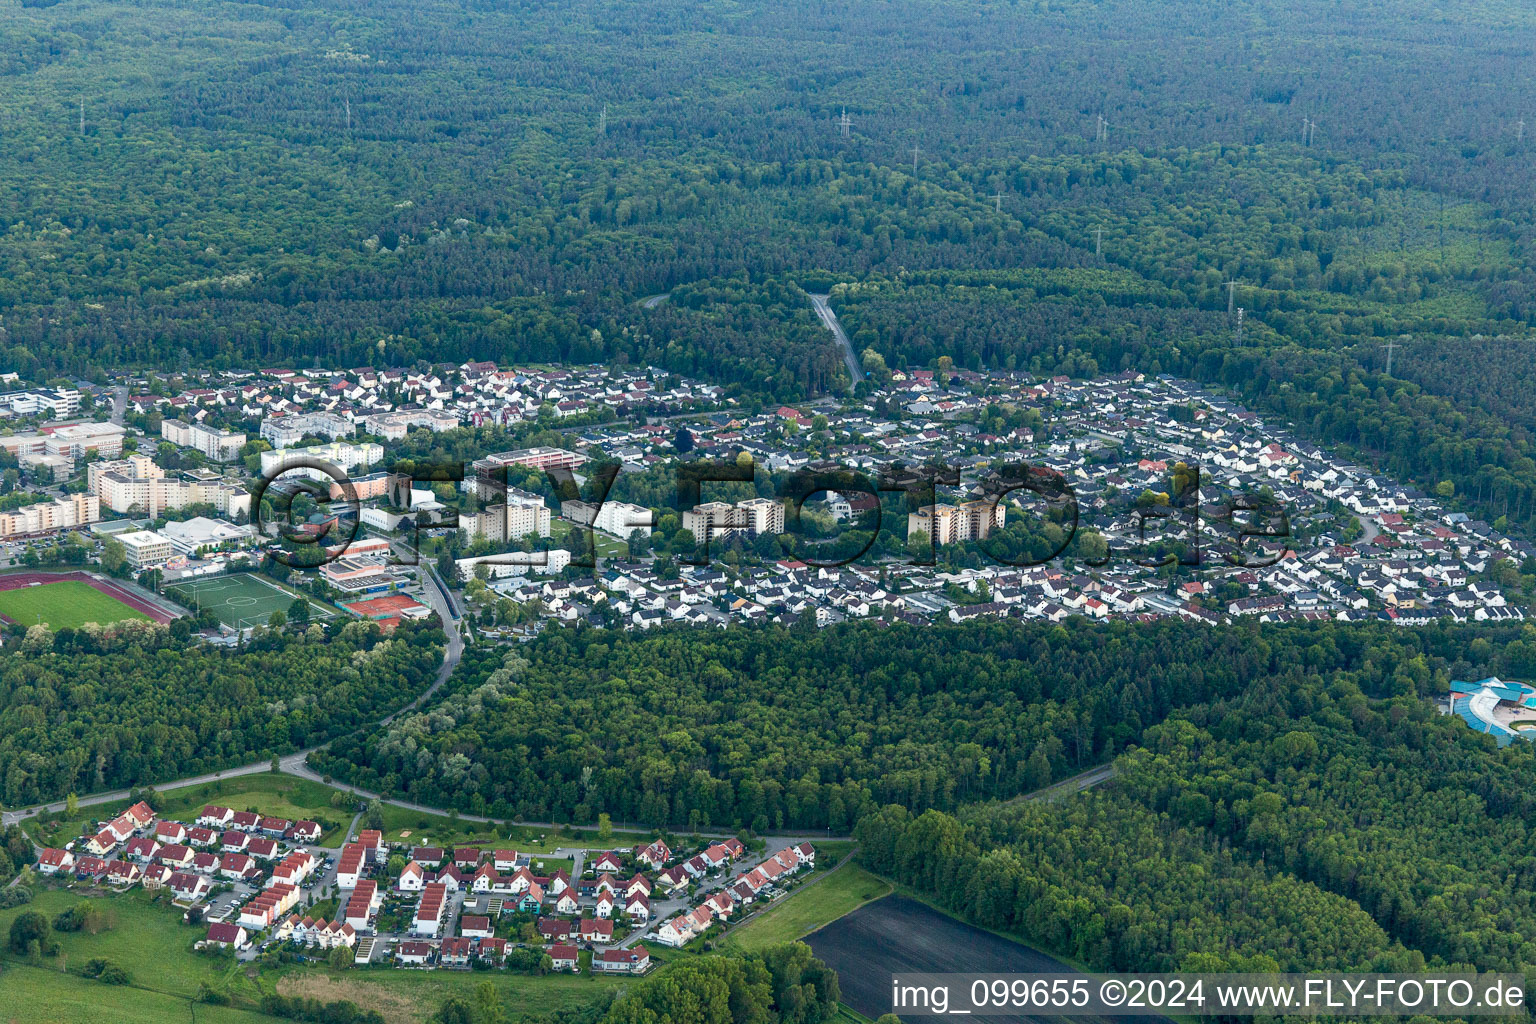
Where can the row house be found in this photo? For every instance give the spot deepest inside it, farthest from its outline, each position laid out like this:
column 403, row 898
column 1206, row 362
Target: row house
column 361, row 904
column 429, row 911
column 349, row 868
column 268, row 906
column 295, row 867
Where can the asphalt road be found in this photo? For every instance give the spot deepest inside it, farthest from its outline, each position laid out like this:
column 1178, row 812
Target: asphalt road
column 829, row 319
column 296, row 763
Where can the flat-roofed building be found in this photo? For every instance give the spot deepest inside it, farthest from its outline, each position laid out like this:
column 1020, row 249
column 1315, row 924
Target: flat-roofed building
column 714, row 519
column 220, row 445
column 950, row 524
column 345, row 456
column 393, row 426
column 285, row 431
column 57, row 402
column 136, row 484
column 76, row 440
column 146, row 548
column 616, row 517
column 521, row 515
column 50, row 468
column 537, row 458
column 46, row 516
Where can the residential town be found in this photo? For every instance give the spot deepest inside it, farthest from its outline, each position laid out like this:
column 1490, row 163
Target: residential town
column 253, row 881
column 1356, row 545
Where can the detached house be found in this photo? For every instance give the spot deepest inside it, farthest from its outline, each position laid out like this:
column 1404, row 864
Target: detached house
column 53, row 861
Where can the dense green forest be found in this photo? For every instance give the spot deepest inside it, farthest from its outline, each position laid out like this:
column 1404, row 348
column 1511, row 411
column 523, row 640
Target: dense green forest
column 782, row 984
column 1296, row 827
column 1056, row 186
column 1285, row 799
column 788, row 729
column 240, row 183
column 77, row 718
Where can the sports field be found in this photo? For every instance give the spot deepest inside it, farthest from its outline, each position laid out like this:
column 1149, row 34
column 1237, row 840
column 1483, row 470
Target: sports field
column 66, row 604
column 240, row 601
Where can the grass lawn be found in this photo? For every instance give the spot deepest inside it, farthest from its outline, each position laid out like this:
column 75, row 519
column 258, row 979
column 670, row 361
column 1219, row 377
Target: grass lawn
column 828, row 854
column 149, row 942
column 284, row 796
column 607, row 547
column 411, row 997
column 40, row 995
column 436, row 829
column 441, row 830
column 810, row 907
column 68, row 603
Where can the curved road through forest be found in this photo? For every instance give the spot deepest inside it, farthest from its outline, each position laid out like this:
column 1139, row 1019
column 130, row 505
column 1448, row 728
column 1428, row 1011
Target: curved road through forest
column 296, row 763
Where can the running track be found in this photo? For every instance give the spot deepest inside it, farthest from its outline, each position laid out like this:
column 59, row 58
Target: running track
column 113, row 589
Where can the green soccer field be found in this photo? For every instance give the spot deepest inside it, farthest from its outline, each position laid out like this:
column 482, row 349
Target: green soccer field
column 239, row 601
column 66, row 604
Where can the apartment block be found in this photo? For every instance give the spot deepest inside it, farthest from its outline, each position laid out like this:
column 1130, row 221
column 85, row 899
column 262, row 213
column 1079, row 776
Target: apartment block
column 616, row 517
column 345, row 456
column 220, row 445
column 518, row 517
column 950, row 524
column 136, row 484
column 60, row 514
column 715, row 519
column 286, row 431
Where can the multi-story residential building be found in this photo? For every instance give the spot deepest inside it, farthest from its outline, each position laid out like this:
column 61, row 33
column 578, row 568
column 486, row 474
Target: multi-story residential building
column 949, row 524
column 521, row 515
column 715, row 519
column 373, row 485
column 345, row 456
column 761, row 515
column 393, row 426
column 543, row 563
column 60, row 514
column 136, row 484
column 616, row 517
column 285, row 431
column 220, row 445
